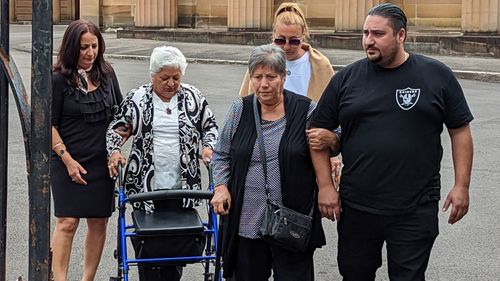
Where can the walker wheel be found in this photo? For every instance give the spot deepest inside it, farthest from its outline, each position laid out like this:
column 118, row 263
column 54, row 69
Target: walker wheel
column 209, row 277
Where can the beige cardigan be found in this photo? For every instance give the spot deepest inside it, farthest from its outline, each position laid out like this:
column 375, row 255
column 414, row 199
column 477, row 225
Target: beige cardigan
column 321, row 73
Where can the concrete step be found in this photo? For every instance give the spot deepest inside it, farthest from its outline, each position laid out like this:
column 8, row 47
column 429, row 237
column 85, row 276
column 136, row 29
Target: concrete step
column 430, row 42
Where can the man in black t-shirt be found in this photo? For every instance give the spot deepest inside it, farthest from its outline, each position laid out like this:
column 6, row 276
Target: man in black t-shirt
column 391, row 106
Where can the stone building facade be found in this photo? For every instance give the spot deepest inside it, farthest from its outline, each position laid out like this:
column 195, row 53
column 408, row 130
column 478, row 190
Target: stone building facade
column 256, row 15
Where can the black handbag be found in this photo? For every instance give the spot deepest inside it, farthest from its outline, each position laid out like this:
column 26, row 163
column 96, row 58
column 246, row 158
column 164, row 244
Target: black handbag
column 286, row 228
column 281, row 226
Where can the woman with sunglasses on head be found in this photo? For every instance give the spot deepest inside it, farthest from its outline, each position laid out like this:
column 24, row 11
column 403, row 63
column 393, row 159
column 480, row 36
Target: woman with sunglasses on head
column 308, row 71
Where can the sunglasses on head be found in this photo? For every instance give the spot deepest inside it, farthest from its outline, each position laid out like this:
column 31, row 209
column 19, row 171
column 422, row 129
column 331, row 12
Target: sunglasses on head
column 291, row 41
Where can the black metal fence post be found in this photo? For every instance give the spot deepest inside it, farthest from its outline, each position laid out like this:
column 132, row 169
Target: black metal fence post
column 39, row 172
column 4, row 121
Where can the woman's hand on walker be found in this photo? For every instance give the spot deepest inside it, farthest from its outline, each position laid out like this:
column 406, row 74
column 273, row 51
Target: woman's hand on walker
column 206, row 155
column 115, row 158
column 221, row 201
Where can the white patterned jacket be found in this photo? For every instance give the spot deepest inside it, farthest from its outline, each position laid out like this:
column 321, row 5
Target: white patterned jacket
column 196, row 124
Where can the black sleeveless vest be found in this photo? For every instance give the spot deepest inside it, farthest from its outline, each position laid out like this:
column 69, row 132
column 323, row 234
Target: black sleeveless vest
column 298, row 180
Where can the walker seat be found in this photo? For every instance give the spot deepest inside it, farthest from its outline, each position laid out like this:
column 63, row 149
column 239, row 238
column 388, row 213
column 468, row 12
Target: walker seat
column 167, row 222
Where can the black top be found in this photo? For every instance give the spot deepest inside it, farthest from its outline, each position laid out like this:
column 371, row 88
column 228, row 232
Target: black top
column 82, row 119
column 391, row 123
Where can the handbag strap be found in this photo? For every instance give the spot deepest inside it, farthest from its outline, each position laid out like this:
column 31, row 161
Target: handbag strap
column 260, row 139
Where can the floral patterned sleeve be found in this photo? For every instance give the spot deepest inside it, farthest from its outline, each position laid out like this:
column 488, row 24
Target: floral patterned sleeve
column 125, row 114
column 222, row 158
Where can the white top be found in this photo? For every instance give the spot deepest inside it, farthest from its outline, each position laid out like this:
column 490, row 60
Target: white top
column 298, row 74
column 166, row 144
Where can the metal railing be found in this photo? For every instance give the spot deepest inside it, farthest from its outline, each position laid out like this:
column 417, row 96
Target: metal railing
column 35, row 123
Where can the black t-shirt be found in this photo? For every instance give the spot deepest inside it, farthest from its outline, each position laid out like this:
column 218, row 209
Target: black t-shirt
column 391, row 123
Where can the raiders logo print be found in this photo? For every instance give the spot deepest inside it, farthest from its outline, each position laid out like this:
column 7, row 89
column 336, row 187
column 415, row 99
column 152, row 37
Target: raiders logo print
column 407, row 98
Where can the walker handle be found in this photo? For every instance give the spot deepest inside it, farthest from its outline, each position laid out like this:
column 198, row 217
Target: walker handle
column 120, row 174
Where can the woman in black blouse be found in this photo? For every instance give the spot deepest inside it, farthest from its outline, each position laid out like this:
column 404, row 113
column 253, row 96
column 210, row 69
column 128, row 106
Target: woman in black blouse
column 85, row 90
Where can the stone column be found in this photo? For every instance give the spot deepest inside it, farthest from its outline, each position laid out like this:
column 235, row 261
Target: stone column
column 188, row 14
column 11, row 11
column 56, row 11
column 89, row 10
column 117, row 13
column 250, row 15
column 480, row 16
column 156, row 13
column 350, row 15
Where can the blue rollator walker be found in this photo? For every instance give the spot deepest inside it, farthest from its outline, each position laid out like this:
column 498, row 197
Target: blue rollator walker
column 168, row 225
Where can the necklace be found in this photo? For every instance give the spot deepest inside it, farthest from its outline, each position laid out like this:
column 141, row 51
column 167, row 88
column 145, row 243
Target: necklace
column 165, row 106
column 296, row 64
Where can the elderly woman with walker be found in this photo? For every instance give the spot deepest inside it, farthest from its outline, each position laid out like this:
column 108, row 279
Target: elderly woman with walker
column 169, row 121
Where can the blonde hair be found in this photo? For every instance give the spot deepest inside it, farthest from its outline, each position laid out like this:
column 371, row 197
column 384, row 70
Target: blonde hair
column 290, row 13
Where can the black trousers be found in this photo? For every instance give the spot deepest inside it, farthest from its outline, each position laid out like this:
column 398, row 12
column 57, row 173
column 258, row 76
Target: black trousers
column 257, row 258
column 409, row 239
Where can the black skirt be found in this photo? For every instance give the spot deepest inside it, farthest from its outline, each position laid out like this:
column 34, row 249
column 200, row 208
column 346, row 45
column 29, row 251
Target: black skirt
column 94, row 200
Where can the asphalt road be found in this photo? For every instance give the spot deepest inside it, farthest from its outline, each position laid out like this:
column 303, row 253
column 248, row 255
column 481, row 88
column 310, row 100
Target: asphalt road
column 469, row 250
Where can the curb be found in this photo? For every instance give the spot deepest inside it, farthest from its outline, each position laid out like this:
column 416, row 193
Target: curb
column 420, row 42
column 190, row 60
column 492, row 77
column 483, row 76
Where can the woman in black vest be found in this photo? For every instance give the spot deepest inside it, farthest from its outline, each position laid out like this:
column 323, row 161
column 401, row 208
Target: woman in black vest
column 240, row 181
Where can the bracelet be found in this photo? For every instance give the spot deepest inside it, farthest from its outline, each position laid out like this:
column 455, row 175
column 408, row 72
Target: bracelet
column 337, row 133
column 56, row 145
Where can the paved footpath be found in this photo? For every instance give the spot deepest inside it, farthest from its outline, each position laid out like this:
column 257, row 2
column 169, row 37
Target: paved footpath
column 466, row 251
